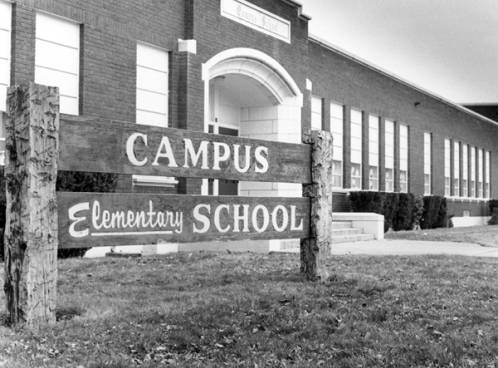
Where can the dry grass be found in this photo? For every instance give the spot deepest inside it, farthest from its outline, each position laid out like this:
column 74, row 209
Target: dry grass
column 208, row 310
column 483, row 235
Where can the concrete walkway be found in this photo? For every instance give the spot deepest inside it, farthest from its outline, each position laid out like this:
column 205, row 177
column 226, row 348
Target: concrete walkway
column 412, row 247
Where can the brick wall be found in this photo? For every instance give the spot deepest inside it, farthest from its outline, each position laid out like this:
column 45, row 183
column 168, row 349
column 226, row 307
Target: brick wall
column 110, row 31
column 338, row 78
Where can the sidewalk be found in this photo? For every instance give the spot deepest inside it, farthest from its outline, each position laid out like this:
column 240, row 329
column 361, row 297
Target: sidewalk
column 412, row 247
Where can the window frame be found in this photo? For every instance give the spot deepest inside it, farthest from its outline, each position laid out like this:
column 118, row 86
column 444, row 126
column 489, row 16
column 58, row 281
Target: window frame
column 389, row 154
column 473, row 172
column 456, row 186
column 404, row 159
column 338, row 143
column 487, row 175
column 373, row 152
column 427, row 163
column 447, row 167
column 316, row 114
column 147, row 180
column 166, row 94
column 465, row 171
column 356, row 150
column 62, row 45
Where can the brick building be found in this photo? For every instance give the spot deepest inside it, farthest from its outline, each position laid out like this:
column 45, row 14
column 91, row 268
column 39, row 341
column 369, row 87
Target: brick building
column 249, row 68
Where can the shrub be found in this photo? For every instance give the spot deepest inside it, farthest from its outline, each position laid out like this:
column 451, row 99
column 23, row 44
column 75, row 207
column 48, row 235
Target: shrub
column 492, row 205
column 391, row 205
column 402, row 211
column 418, row 211
column 367, row 202
column 66, row 181
column 435, row 213
column 493, row 210
column 403, row 219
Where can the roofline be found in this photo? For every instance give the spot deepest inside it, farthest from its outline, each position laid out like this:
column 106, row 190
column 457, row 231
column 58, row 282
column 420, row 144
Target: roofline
column 346, row 54
column 480, row 104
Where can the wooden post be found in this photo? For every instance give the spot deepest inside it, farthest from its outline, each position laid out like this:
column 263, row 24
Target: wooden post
column 32, row 146
column 317, row 247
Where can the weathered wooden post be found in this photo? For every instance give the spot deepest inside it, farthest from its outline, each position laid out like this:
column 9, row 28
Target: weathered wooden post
column 317, row 247
column 32, row 146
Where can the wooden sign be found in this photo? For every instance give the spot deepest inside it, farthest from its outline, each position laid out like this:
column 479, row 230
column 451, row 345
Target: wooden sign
column 92, row 220
column 39, row 220
column 125, row 148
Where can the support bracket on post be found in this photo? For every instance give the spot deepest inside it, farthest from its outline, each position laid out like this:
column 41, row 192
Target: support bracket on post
column 31, row 238
column 316, row 249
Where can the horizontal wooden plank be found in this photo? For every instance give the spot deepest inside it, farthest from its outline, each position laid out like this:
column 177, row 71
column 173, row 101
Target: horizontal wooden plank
column 126, row 148
column 96, row 219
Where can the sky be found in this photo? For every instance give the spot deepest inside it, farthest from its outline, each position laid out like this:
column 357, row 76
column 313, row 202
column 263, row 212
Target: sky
column 448, row 47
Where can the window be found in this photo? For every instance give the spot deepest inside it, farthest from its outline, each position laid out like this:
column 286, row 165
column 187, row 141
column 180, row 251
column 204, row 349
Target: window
column 487, row 176
column 316, row 113
column 373, row 152
column 447, row 167
column 5, row 34
column 403, row 159
column 465, row 170
column 56, row 36
column 152, row 99
column 456, row 169
column 480, row 181
column 356, row 149
column 427, row 163
column 337, row 129
column 152, row 86
column 389, row 156
column 473, row 177
column 5, row 60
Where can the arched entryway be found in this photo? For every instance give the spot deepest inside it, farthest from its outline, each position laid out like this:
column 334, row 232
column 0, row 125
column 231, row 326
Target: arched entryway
column 249, row 94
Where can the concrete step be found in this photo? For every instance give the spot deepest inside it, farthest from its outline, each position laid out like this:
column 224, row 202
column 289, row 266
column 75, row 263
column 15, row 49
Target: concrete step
column 345, row 231
column 352, row 238
column 342, row 224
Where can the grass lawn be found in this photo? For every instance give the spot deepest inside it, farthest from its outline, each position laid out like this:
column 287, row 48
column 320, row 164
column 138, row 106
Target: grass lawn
column 483, row 235
column 221, row 310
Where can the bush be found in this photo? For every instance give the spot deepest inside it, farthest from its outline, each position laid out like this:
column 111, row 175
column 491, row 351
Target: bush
column 493, row 210
column 391, row 204
column 367, row 202
column 402, row 211
column 418, row 211
column 435, row 213
column 66, row 181
column 403, row 219
column 492, row 205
